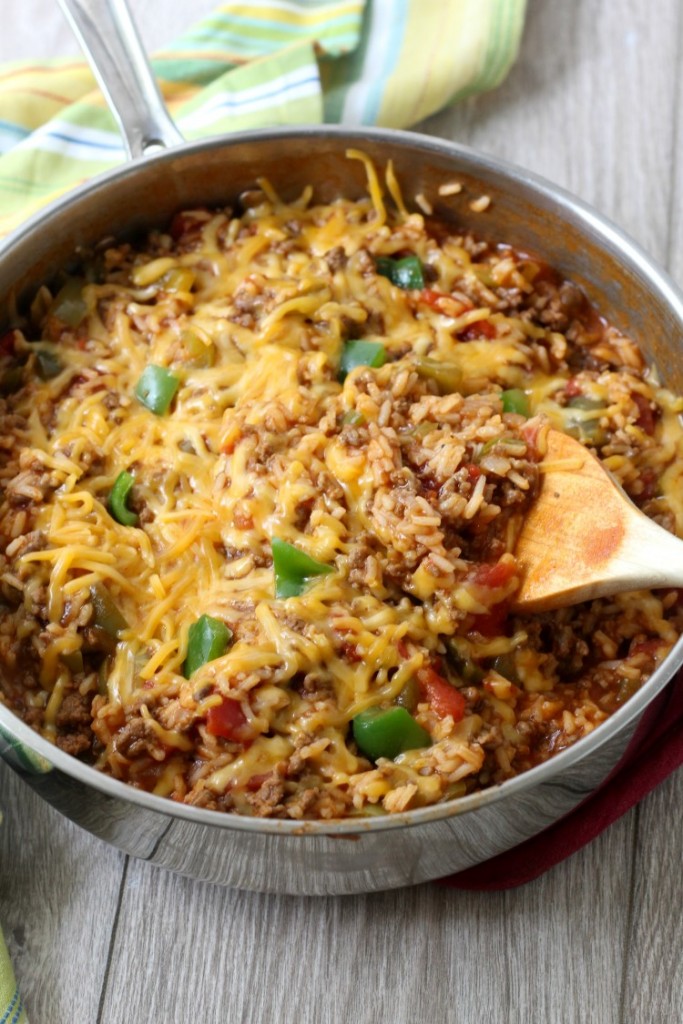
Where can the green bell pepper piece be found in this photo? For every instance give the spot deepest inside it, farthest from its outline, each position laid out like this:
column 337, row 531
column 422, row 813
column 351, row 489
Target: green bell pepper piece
column 512, row 447
column 200, row 354
column 68, row 305
column 459, row 658
column 585, row 429
column 118, row 500
column 506, row 665
column 208, row 639
column 156, row 389
column 515, row 400
column 406, row 273
column 294, row 569
column 585, row 402
column 409, row 697
column 106, row 615
column 447, row 376
column 387, row 733
column 353, row 418
column 361, row 353
column 48, row 364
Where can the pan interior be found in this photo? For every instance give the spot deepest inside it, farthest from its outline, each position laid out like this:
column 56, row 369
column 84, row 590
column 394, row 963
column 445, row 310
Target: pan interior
column 523, row 212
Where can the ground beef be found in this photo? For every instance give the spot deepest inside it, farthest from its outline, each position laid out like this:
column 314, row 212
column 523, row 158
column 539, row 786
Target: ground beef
column 269, row 794
column 73, row 723
column 336, row 259
column 133, row 739
column 407, row 480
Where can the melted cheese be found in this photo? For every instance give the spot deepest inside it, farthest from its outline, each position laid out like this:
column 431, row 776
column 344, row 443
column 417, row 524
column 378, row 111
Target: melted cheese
column 245, row 455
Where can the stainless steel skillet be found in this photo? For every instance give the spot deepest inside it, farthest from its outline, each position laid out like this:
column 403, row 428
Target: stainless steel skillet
column 348, row 856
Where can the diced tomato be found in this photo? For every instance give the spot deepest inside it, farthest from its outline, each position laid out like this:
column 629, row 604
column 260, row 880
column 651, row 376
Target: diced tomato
column 649, row 647
column 432, row 297
column 256, row 781
column 491, row 624
column 438, row 692
column 184, row 223
column 473, row 472
column 493, row 574
column 350, row 653
column 348, row 648
column 229, row 721
column 442, row 302
column 7, row 342
column 573, row 388
column 646, row 417
column 179, row 225
column 479, row 329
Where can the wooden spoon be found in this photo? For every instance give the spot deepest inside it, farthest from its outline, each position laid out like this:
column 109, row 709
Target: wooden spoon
column 583, row 538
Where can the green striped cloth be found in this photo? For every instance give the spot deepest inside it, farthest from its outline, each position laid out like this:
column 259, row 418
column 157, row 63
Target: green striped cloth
column 11, row 1005
column 251, row 65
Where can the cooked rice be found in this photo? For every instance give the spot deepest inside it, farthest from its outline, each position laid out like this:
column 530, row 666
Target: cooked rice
column 450, row 188
column 409, row 480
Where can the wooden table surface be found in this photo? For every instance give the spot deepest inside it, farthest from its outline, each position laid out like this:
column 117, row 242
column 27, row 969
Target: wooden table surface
column 595, row 105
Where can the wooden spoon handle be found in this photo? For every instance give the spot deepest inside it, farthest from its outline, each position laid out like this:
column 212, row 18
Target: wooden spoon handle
column 583, row 538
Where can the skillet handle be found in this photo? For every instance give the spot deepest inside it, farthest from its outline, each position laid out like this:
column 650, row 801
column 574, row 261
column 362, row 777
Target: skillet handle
column 106, row 32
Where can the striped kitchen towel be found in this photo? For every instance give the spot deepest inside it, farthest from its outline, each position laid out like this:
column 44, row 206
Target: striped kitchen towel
column 255, row 64
column 249, row 65
column 11, row 1007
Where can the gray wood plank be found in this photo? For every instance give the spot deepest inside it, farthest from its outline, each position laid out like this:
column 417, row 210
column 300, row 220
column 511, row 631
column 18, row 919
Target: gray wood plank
column 59, row 890
column 589, row 105
column 653, row 978
column 389, row 957
column 427, row 953
column 566, row 935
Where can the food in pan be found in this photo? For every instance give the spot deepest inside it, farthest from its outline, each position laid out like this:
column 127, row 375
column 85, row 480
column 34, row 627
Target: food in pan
column 262, row 474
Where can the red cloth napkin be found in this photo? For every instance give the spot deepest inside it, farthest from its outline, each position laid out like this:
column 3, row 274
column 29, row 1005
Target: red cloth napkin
column 655, row 750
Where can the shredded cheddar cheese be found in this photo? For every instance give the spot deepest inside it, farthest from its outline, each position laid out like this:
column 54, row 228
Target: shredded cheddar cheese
column 317, row 400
